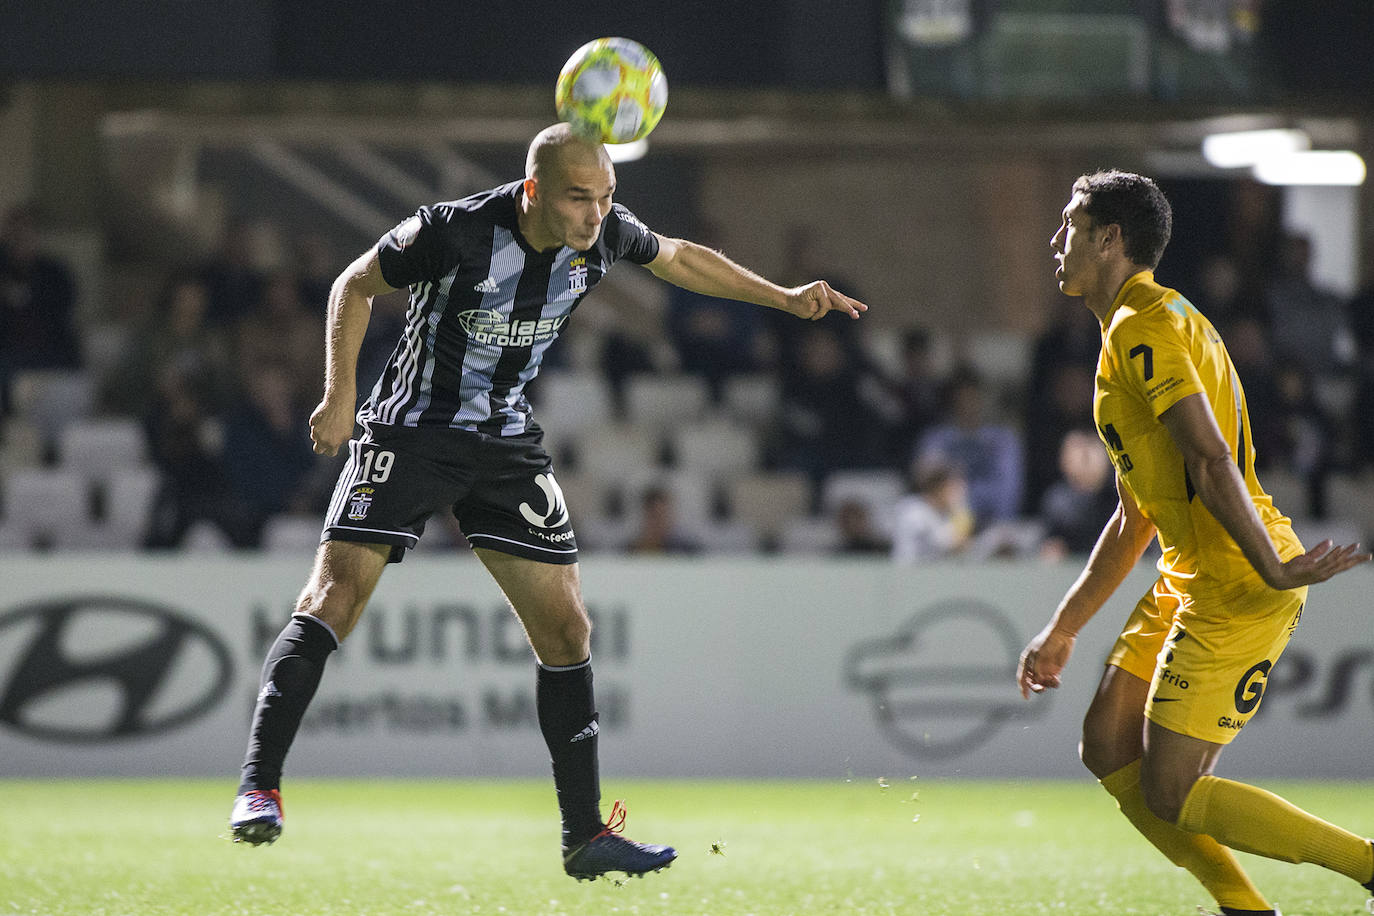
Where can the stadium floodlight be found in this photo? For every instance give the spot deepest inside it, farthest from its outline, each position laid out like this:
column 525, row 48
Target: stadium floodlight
column 1237, row 149
column 627, row 152
column 1312, row 167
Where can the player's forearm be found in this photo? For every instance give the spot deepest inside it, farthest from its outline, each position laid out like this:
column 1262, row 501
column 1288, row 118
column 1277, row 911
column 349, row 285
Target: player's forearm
column 1221, row 488
column 350, row 310
column 702, row 270
column 1116, row 553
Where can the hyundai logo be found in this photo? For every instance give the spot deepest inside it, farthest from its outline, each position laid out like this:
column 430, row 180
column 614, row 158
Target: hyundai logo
column 944, row 682
column 96, row 668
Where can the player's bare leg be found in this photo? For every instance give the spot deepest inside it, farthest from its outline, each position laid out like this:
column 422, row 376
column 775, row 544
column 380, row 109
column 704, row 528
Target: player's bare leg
column 548, row 600
column 328, row 608
column 1112, row 748
column 1179, row 787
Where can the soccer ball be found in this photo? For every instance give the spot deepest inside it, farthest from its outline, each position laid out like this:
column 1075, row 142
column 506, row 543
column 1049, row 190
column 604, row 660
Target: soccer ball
column 612, row 90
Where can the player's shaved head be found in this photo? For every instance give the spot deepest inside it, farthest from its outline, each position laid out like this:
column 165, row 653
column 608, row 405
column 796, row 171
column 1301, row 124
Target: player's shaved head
column 556, row 148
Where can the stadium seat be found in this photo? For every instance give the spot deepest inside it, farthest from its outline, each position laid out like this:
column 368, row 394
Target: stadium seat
column 567, row 402
column 664, row 402
column 878, row 489
column 752, row 399
column 1351, row 496
column 770, row 501
column 292, row 533
column 809, row 536
column 129, row 496
column 98, row 447
column 716, row 447
column 21, row 445
column 618, row 453
column 52, row 398
column 48, row 507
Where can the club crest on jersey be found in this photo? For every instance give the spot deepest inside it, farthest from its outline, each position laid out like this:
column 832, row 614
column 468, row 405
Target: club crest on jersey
column 488, row 326
column 577, row 275
column 359, row 503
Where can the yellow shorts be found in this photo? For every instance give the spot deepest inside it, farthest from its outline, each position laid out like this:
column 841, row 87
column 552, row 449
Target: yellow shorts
column 1207, row 665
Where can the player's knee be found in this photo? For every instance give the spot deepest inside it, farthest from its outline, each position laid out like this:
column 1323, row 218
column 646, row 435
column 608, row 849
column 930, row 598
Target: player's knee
column 1164, row 795
column 333, row 601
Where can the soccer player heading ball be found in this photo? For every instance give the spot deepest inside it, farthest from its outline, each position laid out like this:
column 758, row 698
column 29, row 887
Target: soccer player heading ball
column 1190, row 666
column 494, row 279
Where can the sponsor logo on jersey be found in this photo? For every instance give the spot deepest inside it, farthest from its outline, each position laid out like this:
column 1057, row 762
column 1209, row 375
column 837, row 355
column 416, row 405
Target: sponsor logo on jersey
column 577, row 275
column 488, row 326
column 487, row 286
column 555, row 512
column 359, row 503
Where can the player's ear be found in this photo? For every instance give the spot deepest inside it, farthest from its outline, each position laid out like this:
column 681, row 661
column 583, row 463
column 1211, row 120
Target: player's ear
column 531, row 189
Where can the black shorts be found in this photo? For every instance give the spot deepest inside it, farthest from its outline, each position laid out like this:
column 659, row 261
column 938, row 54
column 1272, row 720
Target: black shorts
column 501, row 490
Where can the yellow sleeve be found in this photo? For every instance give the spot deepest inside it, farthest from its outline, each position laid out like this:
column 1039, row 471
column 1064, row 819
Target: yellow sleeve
column 1155, row 361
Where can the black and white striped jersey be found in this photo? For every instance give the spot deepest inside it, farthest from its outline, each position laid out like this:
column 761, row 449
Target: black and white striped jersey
column 484, row 307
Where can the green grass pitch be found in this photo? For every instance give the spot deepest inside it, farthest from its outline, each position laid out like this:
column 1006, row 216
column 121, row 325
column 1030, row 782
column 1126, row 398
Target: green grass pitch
column 77, row 848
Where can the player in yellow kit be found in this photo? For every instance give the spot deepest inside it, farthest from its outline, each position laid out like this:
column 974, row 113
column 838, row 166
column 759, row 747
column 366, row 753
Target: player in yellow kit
column 1190, row 666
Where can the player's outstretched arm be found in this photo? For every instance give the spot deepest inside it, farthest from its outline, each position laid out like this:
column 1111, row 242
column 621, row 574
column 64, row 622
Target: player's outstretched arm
column 350, row 310
column 1118, row 549
column 703, row 270
column 1218, row 482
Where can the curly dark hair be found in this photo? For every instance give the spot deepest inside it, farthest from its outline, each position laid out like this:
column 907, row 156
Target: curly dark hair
column 1136, row 204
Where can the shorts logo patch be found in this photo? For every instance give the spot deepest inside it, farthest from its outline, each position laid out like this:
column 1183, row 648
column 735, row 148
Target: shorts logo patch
column 1250, row 690
column 359, row 503
column 556, row 511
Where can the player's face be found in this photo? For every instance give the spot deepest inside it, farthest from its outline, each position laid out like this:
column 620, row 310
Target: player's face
column 576, row 199
column 1072, row 246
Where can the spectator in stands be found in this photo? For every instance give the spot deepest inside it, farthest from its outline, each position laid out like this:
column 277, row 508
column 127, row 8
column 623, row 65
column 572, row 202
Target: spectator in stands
column 659, row 529
column 917, row 392
column 185, row 440
column 1247, row 340
column 934, row 521
column 280, row 330
column 1308, row 322
column 716, row 338
column 1081, row 501
column 988, row 454
column 1059, row 392
column 232, row 277
column 37, row 302
column 267, row 446
column 857, row 535
column 177, row 334
column 1361, row 317
column 828, row 421
column 1307, row 434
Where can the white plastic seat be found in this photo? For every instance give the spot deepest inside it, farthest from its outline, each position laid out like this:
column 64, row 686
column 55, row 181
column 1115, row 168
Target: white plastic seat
column 879, row 490
column 129, row 496
column 52, row 398
column 566, row 403
column 46, row 506
column 618, row 452
column 769, row 501
column 21, row 445
column 665, row 402
column 753, row 399
column 292, row 533
column 809, row 536
column 99, row 447
column 716, row 447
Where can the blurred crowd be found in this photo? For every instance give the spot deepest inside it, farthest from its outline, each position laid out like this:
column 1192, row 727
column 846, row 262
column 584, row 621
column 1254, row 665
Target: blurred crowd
column 859, row 441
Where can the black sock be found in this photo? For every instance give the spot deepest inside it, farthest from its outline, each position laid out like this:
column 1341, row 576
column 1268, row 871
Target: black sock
column 567, row 717
column 290, row 676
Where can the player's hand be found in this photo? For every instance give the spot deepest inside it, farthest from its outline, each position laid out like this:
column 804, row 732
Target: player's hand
column 814, row 300
column 331, row 424
column 1043, row 660
column 1318, row 564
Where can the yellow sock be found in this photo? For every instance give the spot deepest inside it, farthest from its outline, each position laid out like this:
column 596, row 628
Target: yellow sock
column 1253, row 820
column 1212, row 864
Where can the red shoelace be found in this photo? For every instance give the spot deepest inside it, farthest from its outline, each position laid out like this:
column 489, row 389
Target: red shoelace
column 616, row 822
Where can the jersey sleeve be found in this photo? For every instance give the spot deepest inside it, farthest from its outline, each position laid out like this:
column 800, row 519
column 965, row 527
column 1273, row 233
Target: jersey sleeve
column 414, row 251
column 1155, row 361
column 627, row 237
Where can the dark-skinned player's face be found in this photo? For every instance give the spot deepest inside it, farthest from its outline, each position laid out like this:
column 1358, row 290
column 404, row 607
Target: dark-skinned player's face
column 574, row 199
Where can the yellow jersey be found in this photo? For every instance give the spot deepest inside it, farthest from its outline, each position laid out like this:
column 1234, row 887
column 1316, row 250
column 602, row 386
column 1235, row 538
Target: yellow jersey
column 1157, row 348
